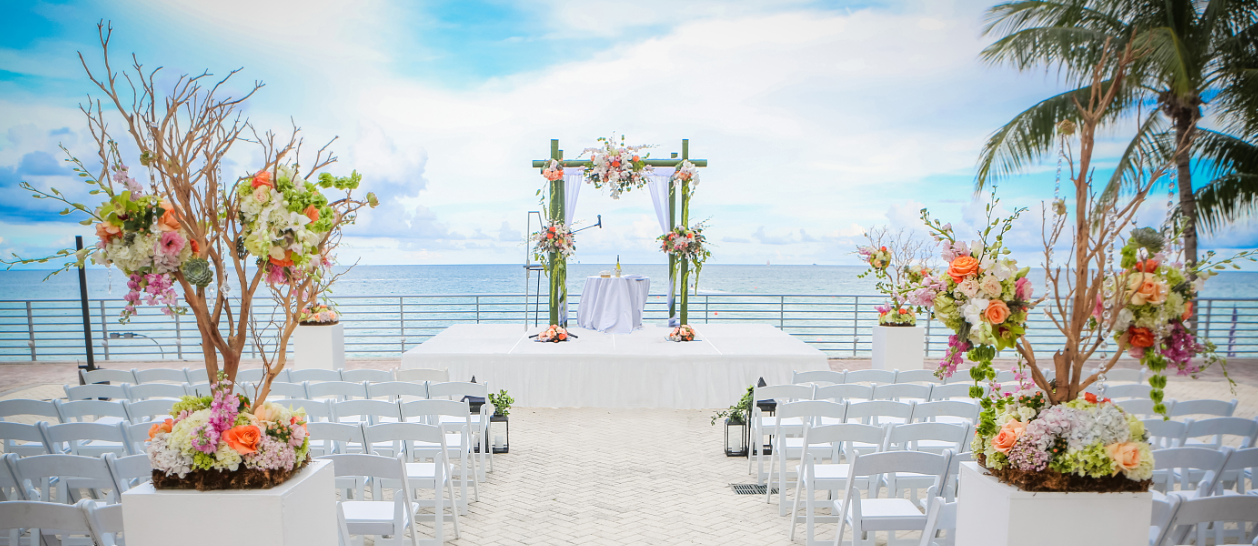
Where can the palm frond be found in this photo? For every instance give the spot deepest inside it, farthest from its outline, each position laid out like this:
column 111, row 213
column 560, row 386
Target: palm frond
column 1231, row 166
column 1169, row 60
column 1076, row 50
column 1226, row 200
column 1150, row 147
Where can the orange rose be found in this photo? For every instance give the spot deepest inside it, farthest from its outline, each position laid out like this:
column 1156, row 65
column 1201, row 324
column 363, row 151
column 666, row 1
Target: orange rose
column 286, row 262
column 170, row 219
column 1126, row 456
column 263, row 178
column 312, row 213
column 1147, row 266
column 1008, row 435
column 243, row 439
column 962, row 267
column 1140, row 337
column 164, row 426
column 107, row 231
column 997, row 312
column 1144, row 288
column 1187, row 311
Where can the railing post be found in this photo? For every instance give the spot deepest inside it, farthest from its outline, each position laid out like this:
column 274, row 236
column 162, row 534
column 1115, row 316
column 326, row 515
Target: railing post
column 856, row 311
column 30, row 330
column 401, row 322
column 782, row 313
column 706, row 299
column 477, row 309
column 927, row 336
column 178, row 338
column 1209, row 313
column 104, row 330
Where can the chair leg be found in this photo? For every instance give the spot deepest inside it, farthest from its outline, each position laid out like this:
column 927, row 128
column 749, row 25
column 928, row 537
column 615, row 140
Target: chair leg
column 454, row 510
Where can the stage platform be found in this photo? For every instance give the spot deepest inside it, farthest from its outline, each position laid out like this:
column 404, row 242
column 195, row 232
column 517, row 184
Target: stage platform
column 638, row 370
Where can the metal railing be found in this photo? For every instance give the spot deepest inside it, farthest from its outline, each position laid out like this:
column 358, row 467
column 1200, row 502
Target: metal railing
column 840, row 325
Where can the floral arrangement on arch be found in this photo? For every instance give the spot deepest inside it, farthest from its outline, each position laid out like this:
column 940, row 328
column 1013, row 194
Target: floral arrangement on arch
column 899, row 263
column 553, row 170
column 619, row 168
column 685, row 243
column 682, row 333
column 685, row 173
column 319, row 313
column 218, row 442
column 286, row 219
column 556, row 238
column 1039, row 447
column 553, row 334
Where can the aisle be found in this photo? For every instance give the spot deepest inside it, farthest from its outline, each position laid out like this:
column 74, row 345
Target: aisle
column 619, row 476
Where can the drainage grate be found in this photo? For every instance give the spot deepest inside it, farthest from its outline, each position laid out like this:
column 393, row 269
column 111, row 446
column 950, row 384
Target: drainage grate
column 749, row 489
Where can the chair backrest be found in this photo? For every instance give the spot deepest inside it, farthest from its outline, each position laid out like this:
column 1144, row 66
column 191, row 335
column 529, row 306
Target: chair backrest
column 1245, row 430
column 313, row 375
column 906, row 437
column 1163, row 512
column 1165, row 434
column 917, row 376
column 1182, row 459
column 148, row 410
column 1143, row 407
column 874, row 412
column 820, row 377
column 89, row 410
column 809, row 411
column 953, row 390
column 102, row 375
column 334, row 438
column 930, row 411
column 280, row 389
column 105, row 522
column 172, row 375
column 419, row 375
column 197, row 375
column 850, row 434
column 888, row 462
column 11, row 433
column 70, row 437
column 9, row 488
column 46, row 518
column 72, row 471
column 1125, row 375
column 92, row 392
column 430, row 411
column 405, row 434
column 146, row 391
column 1203, row 407
column 1245, row 463
column 373, row 376
column 962, row 375
column 251, row 375
column 365, row 410
column 26, row 406
column 1005, row 376
column 844, row 393
column 198, row 389
column 316, row 410
column 871, row 376
column 456, row 390
column 783, row 393
column 339, row 390
column 1240, row 509
column 137, row 435
column 940, row 516
column 395, row 390
column 900, row 391
column 1126, row 390
column 129, row 471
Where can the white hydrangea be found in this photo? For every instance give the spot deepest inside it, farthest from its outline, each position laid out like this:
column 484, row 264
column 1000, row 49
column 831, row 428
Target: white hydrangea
column 227, row 458
column 167, row 458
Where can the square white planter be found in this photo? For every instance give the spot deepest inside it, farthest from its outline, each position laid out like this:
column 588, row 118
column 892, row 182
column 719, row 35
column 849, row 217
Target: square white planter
column 990, row 513
column 321, row 347
column 899, row 347
column 298, row 512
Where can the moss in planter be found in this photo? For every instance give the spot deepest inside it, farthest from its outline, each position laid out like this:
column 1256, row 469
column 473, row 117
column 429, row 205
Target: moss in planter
column 1056, row 482
column 211, row 480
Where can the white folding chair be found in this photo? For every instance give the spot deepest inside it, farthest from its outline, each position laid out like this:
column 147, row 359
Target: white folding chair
column 844, row 393
column 101, row 375
column 455, row 419
column 460, row 390
column 1163, row 512
column 815, row 475
column 1203, row 407
column 22, row 439
column 902, row 391
column 59, row 478
column 940, row 516
column 369, row 375
column 878, row 412
column 130, row 471
column 435, row 475
column 87, row 439
column 336, row 390
column 171, row 375
column 1127, row 390
column 284, row 389
column 95, row 392
column 1194, row 469
column 197, row 375
column 881, row 377
column 157, row 409
column 818, row 377
column 105, row 522
column 1240, row 473
column 398, row 390
column 421, row 375
column 328, row 438
column 954, row 391
column 1165, row 434
column 869, row 515
column 365, row 411
column 1123, row 375
column 96, row 411
column 1210, row 516
column 148, row 391
column 786, row 448
column 316, row 410
column 313, row 375
column 52, row 522
column 917, row 376
column 962, row 375
column 926, row 437
column 1239, row 430
column 946, row 411
column 378, row 516
column 1143, row 407
column 761, row 425
column 251, row 375
column 20, row 407
column 199, row 389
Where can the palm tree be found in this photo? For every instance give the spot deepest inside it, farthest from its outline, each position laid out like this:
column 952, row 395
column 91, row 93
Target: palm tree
column 1195, row 53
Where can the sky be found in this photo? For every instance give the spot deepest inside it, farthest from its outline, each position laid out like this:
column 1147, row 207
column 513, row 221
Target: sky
column 818, row 119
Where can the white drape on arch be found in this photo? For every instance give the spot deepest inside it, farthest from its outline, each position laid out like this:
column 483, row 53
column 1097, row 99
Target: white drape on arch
column 572, row 180
column 657, row 186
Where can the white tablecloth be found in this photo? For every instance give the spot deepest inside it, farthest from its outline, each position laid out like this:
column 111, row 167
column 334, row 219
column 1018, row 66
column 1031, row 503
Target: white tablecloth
column 614, row 304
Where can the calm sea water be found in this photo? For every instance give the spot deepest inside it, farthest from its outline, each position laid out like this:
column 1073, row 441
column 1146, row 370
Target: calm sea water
column 503, row 279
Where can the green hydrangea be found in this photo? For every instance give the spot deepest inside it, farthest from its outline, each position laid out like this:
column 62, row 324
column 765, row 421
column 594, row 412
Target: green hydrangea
column 191, row 404
column 1092, row 461
column 1137, row 429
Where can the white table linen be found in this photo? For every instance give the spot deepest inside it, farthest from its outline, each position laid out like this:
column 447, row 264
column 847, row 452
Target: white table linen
column 613, row 304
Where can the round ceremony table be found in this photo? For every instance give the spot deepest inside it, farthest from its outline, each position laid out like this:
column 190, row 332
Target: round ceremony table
column 613, row 304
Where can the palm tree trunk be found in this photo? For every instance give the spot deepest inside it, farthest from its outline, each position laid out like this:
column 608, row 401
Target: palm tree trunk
column 1184, row 126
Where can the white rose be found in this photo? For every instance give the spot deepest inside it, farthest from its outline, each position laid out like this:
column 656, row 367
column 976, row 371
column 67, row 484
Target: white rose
column 991, row 285
column 969, row 287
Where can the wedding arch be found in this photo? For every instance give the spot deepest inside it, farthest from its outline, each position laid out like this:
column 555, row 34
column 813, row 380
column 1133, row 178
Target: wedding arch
column 665, row 188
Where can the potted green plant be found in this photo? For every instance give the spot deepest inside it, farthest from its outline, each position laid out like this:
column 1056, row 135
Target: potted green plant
column 502, row 409
column 736, row 431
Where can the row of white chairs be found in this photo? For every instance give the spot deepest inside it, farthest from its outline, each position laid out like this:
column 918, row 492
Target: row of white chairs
column 50, row 520
column 885, row 377
column 342, row 390
column 200, row 375
column 1205, row 520
column 1192, row 433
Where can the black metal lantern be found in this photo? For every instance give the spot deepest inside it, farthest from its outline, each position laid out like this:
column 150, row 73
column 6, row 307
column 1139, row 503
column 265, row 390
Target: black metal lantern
column 736, row 437
column 506, row 425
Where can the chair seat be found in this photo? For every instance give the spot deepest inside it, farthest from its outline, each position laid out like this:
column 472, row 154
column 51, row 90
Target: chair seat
column 828, row 472
column 373, row 517
column 768, row 424
column 935, row 446
column 425, row 471
column 454, row 441
column 450, row 419
column 889, row 515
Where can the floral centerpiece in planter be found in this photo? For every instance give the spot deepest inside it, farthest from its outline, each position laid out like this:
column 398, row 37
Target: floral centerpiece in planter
column 900, row 264
column 224, row 442
column 619, row 168
column 319, row 314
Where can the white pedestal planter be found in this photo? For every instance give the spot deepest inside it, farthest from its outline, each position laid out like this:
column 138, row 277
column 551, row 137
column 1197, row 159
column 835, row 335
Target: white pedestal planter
column 990, row 513
column 298, row 512
column 899, row 347
column 321, row 347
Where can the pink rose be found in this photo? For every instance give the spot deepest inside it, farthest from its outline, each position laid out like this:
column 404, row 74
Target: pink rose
column 1008, row 435
column 1023, row 289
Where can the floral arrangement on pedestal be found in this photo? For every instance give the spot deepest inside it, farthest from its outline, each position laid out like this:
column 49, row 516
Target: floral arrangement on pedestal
column 900, row 264
column 682, row 333
column 619, row 168
column 319, row 313
column 553, row 334
column 223, row 442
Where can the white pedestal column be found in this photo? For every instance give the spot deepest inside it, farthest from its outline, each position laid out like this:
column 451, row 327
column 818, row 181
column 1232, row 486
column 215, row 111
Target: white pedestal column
column 990, row 513
column 321, row 347
column 298, row 512
column 899, row 347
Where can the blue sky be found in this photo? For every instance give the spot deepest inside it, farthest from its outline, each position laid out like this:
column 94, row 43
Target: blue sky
column 819, row 118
